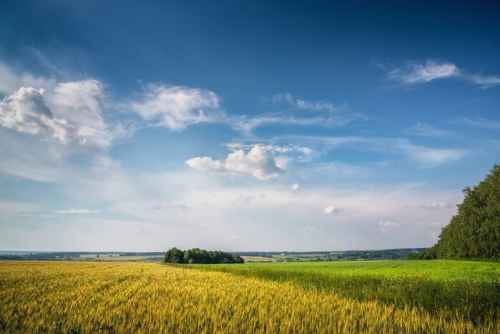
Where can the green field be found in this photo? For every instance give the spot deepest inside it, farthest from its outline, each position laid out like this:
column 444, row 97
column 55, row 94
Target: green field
column 441, row 270
column 469, row 288
column 335, row 297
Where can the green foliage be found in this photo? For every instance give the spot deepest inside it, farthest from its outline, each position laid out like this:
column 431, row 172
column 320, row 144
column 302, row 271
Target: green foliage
column 174, row 255
column 196, row 255
column 468, row 288
column 475, row 231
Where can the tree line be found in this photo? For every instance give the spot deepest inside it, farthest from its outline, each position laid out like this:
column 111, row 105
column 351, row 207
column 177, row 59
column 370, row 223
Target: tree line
column 197, row 255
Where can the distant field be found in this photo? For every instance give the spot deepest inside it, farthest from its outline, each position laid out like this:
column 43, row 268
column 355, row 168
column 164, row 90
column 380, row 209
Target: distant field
column 120, row 297
column 257, row 259
column 435, row 269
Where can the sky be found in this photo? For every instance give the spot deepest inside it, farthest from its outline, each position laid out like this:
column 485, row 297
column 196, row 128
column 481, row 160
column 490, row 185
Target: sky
column 242, row 125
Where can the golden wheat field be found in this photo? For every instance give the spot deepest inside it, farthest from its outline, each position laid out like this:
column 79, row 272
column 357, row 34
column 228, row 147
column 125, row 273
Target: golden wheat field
column 87, row 297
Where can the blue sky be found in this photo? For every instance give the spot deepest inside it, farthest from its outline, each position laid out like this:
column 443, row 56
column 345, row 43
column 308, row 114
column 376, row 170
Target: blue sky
column 242, row 125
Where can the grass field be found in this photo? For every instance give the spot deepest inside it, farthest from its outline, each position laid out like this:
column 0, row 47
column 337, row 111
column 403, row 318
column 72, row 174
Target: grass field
column 468, row 288
column 107, row 297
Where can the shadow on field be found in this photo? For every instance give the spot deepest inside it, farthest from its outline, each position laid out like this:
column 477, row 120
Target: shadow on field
column 475, row 301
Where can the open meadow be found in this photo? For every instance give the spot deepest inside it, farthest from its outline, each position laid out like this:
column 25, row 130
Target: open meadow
column 339, row 297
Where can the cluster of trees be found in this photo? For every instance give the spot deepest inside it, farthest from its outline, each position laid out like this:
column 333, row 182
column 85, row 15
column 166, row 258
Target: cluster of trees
column 475, row 231
column 196, row 255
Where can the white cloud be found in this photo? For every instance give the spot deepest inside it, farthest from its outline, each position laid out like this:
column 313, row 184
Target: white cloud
column 247, row 124
column 297, row 151
column 177, row 107
column 80, row 104
column 431, row 70
column 331, row 210
column 26, row 111
column 301, row 104
column 258, row 162
column 421, row 73
column 70, row 113
column 206, row 164
column 483, row 80
column 295, row 187
column 44, row 122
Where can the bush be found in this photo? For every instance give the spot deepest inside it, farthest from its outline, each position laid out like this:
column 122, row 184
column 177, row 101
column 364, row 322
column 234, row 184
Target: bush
column 197, row 255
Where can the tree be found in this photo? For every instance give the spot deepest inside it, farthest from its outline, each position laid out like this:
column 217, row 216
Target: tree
column 197, row 255
column 474, row 232
column 174, row 255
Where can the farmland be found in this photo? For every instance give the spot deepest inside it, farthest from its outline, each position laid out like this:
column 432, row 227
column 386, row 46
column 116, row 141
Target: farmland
column 122, row 297
column 468, row 288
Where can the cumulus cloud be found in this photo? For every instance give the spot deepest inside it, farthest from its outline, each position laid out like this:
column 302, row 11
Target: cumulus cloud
column 177, row 107
column 70, row 112
column 258, row 161
column 431, row 70
column 26, row 111
column 80, row 104
column 295, row 187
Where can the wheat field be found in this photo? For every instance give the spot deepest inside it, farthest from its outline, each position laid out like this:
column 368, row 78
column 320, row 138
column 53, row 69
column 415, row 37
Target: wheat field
column 89, row 297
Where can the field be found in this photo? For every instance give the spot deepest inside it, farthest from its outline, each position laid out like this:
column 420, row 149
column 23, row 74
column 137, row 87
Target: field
column 470, row 289
column 340, row 297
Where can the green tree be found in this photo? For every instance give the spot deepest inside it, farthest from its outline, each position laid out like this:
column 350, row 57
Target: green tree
column 474, row 232
column 197, row 255
column 174, row 255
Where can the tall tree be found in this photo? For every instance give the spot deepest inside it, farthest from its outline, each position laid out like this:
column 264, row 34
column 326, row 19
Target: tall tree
column 475, row 231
